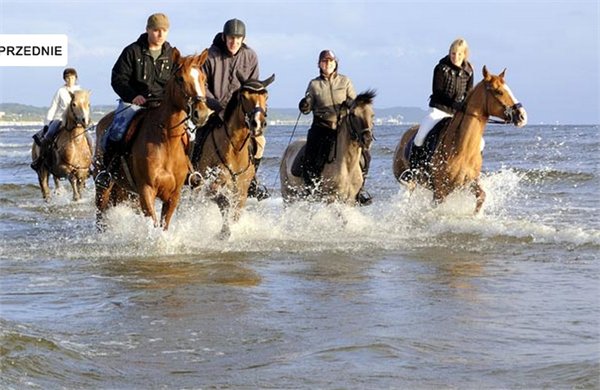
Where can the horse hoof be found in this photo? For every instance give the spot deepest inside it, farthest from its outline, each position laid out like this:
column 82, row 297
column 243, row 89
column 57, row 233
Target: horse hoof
column 224, row 234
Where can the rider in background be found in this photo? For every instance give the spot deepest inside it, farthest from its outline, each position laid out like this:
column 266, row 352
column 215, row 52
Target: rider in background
column 139, row 78
column 54, row 116
column 452, row 80
column 229, row 59
column 324, row 97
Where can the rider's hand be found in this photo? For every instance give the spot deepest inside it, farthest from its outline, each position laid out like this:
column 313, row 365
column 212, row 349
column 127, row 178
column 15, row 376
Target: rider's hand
column 304, row 105
column 139, row 100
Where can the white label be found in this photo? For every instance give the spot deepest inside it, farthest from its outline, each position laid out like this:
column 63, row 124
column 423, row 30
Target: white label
column 33, row 50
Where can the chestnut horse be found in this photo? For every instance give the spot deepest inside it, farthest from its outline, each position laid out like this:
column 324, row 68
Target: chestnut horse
column 157, row 163
column 457, row 158
column 71, row 154
column 342, row 177
column 224, row 164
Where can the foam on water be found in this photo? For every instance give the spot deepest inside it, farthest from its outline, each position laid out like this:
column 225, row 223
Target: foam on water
column 398, row 222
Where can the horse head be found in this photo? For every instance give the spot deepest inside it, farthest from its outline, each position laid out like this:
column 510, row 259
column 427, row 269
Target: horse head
column 361, row 117
column 78, row 112
column 187, row 88
column 253, row 97
column 500, row 101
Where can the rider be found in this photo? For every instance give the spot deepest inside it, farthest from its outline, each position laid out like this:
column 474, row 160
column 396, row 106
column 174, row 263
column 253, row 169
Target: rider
column 452, row 80
column 324, row 97
column 53, row 119
column 228, row 58
column 139, row 78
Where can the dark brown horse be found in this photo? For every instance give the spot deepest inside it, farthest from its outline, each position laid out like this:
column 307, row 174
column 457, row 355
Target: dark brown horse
column 342, row 176
column 157, row 164
column 457, row 159
column 71, row 154
column 225, row 165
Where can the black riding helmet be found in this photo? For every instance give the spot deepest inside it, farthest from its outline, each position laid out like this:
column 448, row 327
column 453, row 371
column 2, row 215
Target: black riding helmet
column 68, row 72
column 234, row 27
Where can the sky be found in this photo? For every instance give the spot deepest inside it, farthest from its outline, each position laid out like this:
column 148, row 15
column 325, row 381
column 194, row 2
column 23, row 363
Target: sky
column 550, row 48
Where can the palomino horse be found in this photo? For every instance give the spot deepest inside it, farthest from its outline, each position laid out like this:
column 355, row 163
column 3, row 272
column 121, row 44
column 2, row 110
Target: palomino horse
column 71, row 155
column 342, row 177
column 157, row 163
column 457, row 159
column 225, row 160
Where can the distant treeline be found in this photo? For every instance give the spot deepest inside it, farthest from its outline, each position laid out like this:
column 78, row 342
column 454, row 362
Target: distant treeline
column 26, row 113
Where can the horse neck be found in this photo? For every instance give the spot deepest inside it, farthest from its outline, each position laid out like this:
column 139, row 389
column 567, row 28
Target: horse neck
column 465, row 132
column 347, row 149
column 172, row 118
column 236, row 129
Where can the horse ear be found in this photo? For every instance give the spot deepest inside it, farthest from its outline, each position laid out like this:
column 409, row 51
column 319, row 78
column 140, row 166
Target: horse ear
column 268, row 81
column 202, row 58
column 501, row 75
column 486, row 74
column 176, row 55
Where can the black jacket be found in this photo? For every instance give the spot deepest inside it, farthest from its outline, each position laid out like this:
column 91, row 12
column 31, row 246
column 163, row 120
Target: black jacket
column 450, row 85
column 137, row 73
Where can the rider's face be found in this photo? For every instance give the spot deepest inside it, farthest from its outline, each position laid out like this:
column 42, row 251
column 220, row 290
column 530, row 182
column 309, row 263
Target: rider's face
column 156, row 37
column 457, row 56
column 233, row 43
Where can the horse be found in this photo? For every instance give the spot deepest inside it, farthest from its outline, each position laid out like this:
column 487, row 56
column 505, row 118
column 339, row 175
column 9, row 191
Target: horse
column 457, row 158
column 70, row 152
column 342, row 177
column 224, row 162
column 157, row 162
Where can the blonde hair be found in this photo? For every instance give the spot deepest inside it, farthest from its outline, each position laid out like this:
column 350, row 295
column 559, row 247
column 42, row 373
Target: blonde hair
column 460, row 43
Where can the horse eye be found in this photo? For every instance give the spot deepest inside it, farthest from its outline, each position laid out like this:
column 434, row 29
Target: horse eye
column 497, row 92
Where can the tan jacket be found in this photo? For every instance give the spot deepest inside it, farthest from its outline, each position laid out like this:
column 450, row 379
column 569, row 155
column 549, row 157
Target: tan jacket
column 325, row 97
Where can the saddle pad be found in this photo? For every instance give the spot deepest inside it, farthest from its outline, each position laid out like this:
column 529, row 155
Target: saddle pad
column 298, row 164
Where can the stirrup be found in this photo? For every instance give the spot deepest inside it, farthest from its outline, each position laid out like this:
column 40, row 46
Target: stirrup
column 407, row 176
column 103, row 179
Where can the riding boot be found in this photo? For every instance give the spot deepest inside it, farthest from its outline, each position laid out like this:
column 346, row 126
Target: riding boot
column 363, row 197
column 109, row 163
column 256, row 190
column 416, row 162
column 43, row 154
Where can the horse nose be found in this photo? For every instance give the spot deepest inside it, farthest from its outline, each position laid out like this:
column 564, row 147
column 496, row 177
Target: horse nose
column 200, row 116
column 521, row 117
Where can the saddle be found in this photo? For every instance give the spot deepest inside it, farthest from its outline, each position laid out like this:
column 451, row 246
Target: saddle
column 430, row 143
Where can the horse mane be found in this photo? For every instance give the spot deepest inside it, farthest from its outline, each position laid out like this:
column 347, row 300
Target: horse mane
column 365, row 97
column 231, row 105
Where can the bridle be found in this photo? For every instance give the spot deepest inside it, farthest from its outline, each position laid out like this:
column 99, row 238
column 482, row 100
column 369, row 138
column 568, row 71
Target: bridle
column 510, row 112
column 190, row 102
column 358, row 134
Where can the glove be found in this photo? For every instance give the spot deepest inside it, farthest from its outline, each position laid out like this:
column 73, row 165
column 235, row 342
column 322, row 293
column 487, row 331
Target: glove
column 458, row 106
column 304, row 105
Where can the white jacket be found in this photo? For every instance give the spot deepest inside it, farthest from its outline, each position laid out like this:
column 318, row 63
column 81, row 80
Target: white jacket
column 61, row 100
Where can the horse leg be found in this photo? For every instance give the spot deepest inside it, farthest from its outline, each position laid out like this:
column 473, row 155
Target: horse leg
column 147, row 197
column 43, row 176
column 103, row 196
column 439, row 194
column 168, row 208
column 75, row 184
column 479, row 195
column 224, row 207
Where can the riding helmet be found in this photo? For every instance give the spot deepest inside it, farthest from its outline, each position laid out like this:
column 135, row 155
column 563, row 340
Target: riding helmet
column 234, row 27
